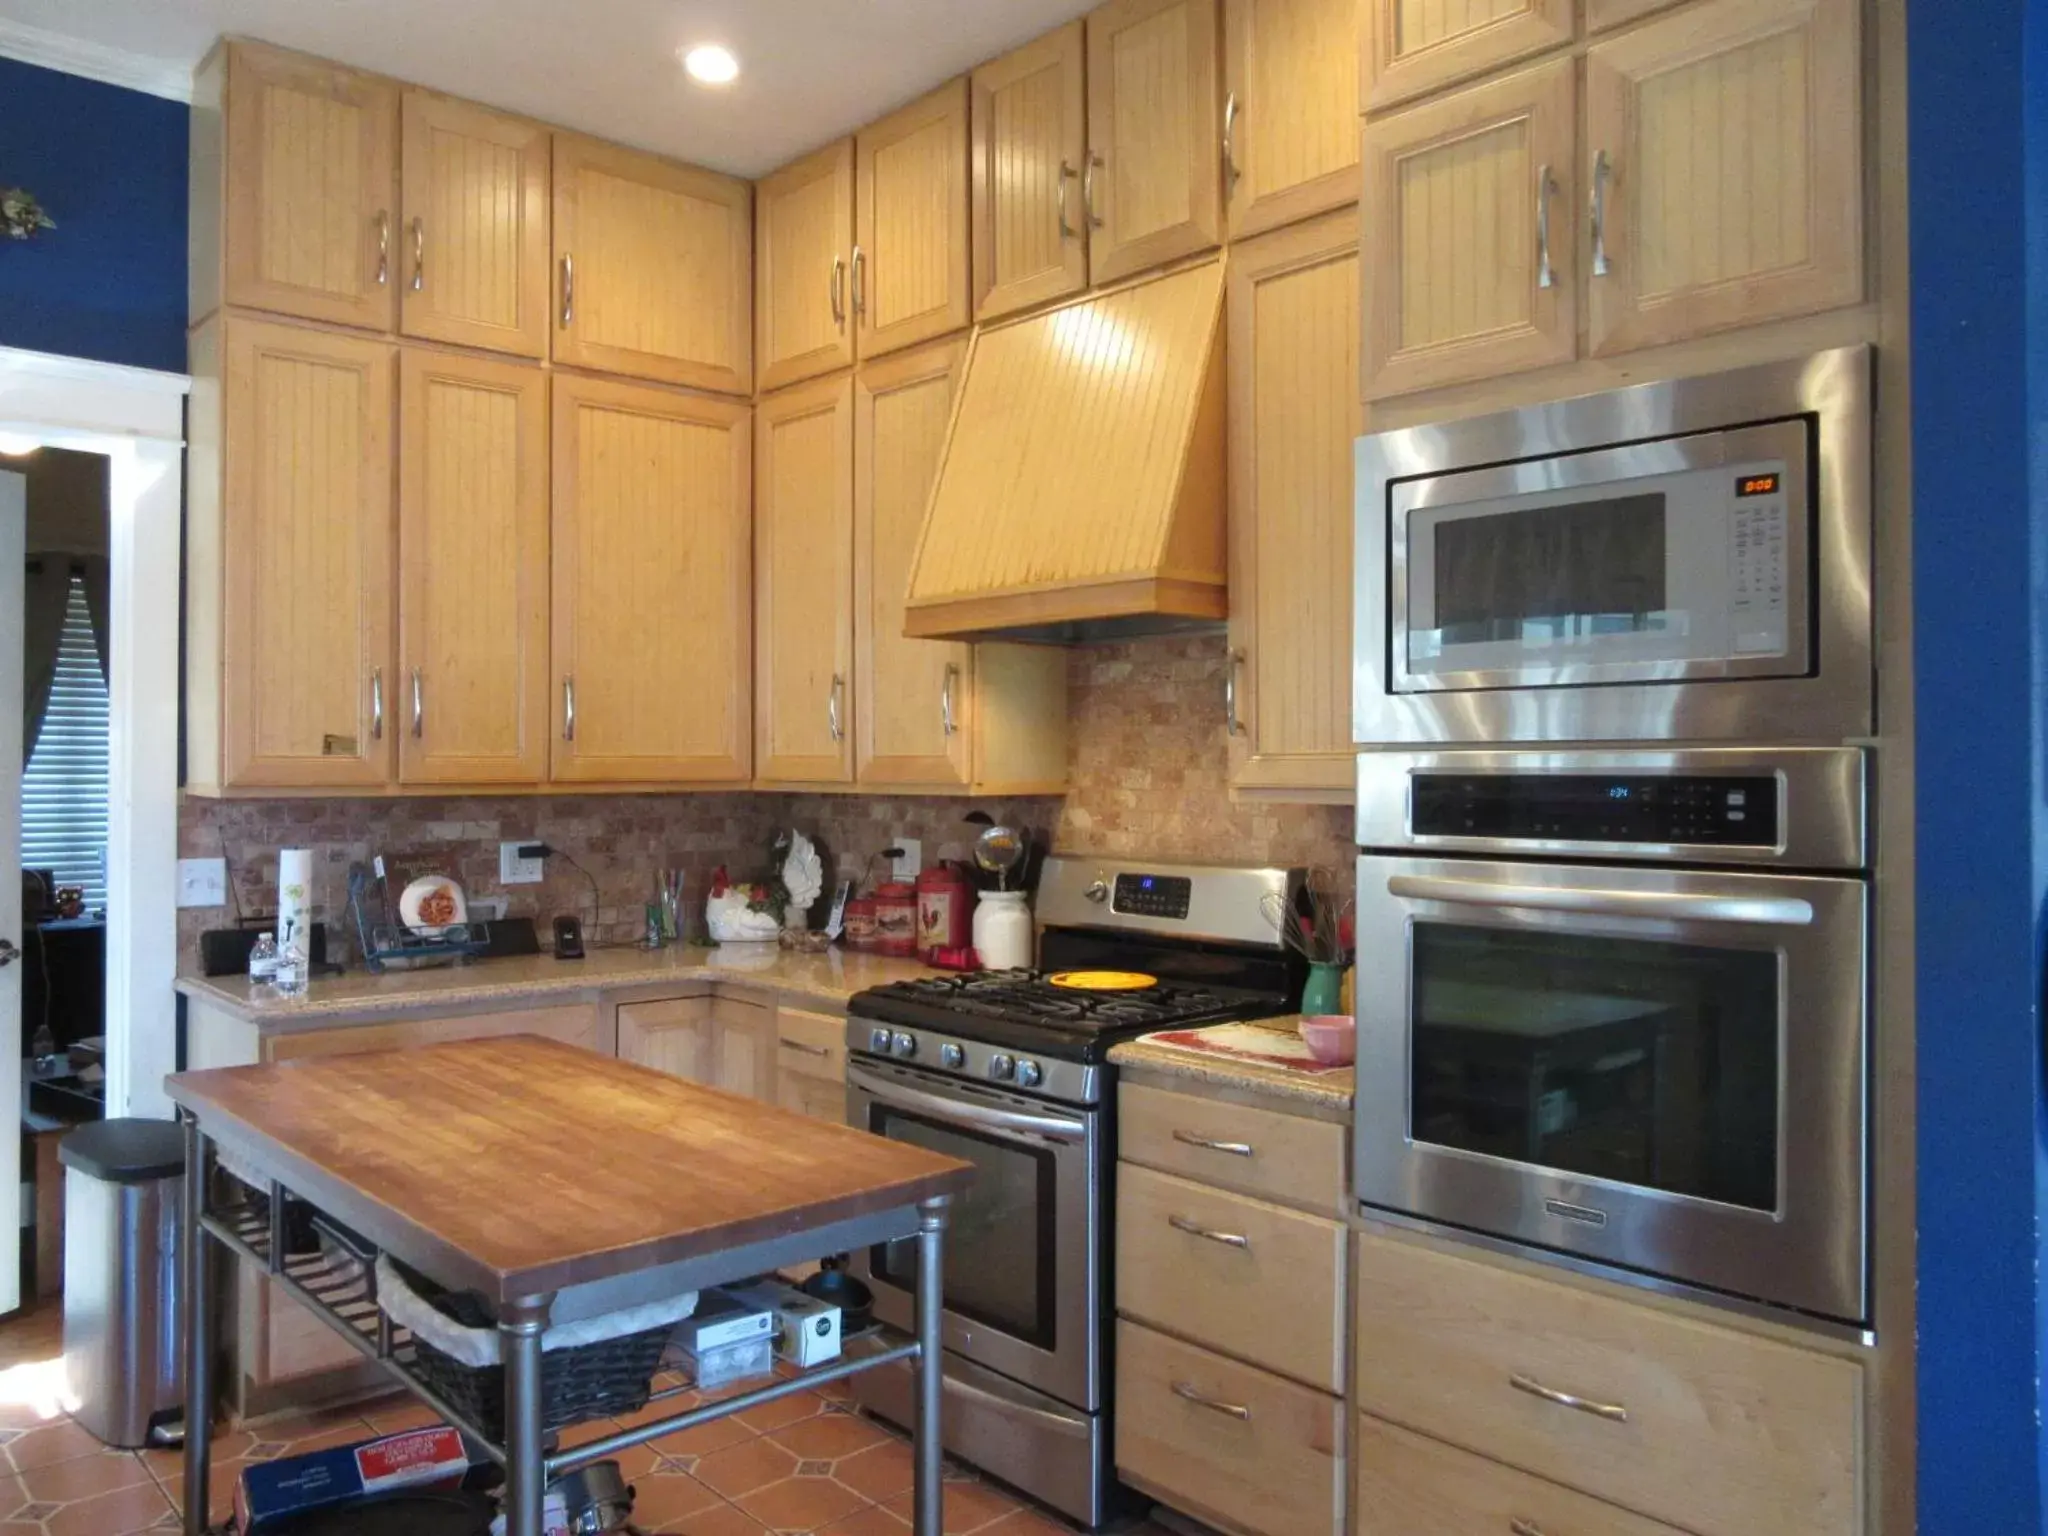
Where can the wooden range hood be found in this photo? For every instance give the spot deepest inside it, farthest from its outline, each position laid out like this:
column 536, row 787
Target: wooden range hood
column 1081, row 493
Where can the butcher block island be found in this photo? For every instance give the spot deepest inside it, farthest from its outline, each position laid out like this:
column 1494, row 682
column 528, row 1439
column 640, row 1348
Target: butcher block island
column 553, row 1185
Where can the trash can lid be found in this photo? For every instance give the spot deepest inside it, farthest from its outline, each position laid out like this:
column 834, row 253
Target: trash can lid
column 125, row 1151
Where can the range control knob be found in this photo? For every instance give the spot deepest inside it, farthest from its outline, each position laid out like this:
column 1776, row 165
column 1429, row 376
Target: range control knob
column 1001, row 1067
column 904, row 1045
column 1098, row 892
column 951, row 1055
column 1029, row 1073
column 878, row 1041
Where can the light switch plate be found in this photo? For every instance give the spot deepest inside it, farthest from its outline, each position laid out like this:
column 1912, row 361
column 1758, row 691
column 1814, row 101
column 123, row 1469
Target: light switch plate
column 910, row 863
column 512, row 869
column 202, row 882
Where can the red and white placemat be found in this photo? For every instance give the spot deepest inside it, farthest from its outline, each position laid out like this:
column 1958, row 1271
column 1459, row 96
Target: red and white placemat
column 1262, row 1044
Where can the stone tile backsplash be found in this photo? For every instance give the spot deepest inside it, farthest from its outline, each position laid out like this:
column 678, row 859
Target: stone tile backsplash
column 1149, row 775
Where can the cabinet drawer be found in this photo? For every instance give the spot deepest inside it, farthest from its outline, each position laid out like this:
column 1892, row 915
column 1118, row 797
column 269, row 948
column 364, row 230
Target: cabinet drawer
column 1259, row 1151
column 1408, row 1485
column 1251, row 1279
column 1224, row 1441
column 810, row 1044
column 1723, row 1432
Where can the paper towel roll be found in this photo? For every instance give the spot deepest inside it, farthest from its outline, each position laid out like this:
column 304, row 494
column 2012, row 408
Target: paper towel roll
column 295, row 896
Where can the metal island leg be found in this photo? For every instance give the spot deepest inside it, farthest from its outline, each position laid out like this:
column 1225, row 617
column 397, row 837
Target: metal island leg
column 196, row 1316
column 520, row 1326
column 929, row 1511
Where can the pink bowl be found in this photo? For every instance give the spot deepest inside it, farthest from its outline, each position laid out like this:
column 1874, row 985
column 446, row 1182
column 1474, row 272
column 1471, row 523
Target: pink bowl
column 1332, row 1038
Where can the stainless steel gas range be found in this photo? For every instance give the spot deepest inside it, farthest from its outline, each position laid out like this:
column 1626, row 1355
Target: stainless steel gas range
column 1009, row 1070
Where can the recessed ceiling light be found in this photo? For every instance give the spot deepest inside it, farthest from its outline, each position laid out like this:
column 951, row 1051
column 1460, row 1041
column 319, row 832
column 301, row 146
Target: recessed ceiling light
column 709, row 64
column 15, row 445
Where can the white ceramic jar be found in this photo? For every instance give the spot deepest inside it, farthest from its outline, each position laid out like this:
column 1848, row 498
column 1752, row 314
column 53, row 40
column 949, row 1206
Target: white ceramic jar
column 1002, row 931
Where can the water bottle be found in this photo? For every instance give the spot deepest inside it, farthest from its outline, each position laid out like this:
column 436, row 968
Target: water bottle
column 263, row 959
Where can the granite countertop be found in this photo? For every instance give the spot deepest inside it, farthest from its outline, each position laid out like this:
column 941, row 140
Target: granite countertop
column 1275, row 1079
column 829, row 977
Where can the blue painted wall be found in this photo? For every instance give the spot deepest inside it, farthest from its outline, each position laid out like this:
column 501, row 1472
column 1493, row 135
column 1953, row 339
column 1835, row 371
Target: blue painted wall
column 109, row 166
column 1978, row 93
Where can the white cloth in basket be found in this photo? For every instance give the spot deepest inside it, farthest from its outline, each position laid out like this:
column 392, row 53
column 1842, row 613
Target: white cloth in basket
column 478, row 1347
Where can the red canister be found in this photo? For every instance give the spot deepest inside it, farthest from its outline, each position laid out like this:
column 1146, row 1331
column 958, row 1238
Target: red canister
column 860, row 922
column 896, row 919
column 945, row 910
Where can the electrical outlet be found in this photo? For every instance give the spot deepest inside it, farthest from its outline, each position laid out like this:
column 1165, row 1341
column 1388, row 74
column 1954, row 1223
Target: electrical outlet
column 202, row 882
column 909, row 863
column 512, row 869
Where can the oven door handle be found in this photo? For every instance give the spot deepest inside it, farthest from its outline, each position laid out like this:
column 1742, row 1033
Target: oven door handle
column 966, row 1111
column 1763, row 911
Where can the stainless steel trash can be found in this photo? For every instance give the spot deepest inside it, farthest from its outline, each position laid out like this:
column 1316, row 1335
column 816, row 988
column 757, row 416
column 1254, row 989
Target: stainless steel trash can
column 123, row 1355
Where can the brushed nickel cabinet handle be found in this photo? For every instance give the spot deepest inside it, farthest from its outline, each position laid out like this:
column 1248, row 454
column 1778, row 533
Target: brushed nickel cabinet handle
column 1095, row 163
column 1230, row 171
column 568, row 290
column 568, row 709
column 1546, row 183
column 419, row 711
column 377, row 703
column 1195, row 1229
column 832, row 708
column 1187, row 1392
column 1059, row 200
column 383, row 248
column 1234, row 1148
column 1614, row 1413
column 837, row 290
column 1603, row 169
column 860, row 281
column 419, row 253
column 1232, row 725
column 1521, row 1527
column 808, row 1050
column 947, row 723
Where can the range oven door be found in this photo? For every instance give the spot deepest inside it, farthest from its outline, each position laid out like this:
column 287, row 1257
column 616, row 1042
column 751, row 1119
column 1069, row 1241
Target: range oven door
column 1660, row 1069
column 1023, row 1261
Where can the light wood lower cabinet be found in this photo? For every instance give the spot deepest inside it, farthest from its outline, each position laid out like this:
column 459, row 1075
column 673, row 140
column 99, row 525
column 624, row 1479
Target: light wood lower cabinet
column 572, row 1024
column 1224, row 1441
column 810, row 1064
column 1263, row 1152
column 1409, row 1485
column 721, row 1042
column 1722, row 1432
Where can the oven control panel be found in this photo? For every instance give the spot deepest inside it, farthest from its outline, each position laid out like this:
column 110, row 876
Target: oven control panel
column 1152, row 895
column 1723, row 810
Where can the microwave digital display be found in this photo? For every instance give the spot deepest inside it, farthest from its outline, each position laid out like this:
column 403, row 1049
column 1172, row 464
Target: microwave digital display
column 1758, row 485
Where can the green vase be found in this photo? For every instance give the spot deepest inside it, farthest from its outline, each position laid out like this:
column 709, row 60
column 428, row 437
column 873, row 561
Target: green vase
column 1324, row 992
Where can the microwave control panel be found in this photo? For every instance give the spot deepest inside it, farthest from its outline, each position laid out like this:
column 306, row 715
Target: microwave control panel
column 1722, row 810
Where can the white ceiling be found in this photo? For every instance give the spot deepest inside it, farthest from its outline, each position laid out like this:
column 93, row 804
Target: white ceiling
column 811, row 70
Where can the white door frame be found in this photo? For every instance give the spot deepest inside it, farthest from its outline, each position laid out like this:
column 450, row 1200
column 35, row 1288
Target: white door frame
column 136, row 417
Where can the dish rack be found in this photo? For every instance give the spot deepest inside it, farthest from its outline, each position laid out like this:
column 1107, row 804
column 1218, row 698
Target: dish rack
column 386, row 943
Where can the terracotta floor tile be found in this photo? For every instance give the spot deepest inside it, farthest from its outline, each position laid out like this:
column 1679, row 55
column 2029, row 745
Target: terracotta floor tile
column 398, row 1413
column 829, row 1436
column 744, row 1467
column 970, row 1507
column 720, row 1520
column 717, row 1435
column 800, row 1503
column 872, row 1521
column 661, row 1498
column 65, row 1482
column 121, row 1513
column 793, row 1409
column 1030, row 1522
column 880, row 1472
column 58, row 1440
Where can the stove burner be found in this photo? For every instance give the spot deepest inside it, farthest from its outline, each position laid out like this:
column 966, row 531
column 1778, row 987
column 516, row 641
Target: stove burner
column 1026, row 997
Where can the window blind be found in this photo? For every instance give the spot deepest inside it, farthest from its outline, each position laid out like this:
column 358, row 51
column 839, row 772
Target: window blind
column 64, row 790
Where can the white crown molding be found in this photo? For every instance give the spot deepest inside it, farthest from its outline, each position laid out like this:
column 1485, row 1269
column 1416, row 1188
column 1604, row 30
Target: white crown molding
column 95, row 61
column 41, row 391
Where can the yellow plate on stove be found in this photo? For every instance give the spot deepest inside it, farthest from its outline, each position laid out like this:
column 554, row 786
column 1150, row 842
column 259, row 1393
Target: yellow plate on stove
column 1103, row 981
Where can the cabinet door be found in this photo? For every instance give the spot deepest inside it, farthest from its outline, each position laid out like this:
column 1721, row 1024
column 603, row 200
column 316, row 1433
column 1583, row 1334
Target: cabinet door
column 803, row 584
column 910, row 271
column 674, row 1035
column 1290, row 110
column 306, row 695
column 1468, row 231
column 810, row 1065
column 1293, row 313
column 1414, row 47
column 914, row 696
column 746, row 1048
column 652, row 609
column 473, row 260
column 654, row 268
column 473, row 571
column 1723, row 146
column 312, row 162
column 1028, row 115
column 1155, row 135
column 803, row 238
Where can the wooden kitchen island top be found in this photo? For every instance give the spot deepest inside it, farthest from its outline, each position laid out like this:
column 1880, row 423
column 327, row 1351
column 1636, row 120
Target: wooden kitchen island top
column 516, row 1166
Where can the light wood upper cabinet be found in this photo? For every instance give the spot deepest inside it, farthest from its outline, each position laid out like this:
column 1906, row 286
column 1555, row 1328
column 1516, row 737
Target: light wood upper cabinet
column 1460, row 282
column 472, row 686
column 1155, row 134
column 1028, row 115
column 1414, row 47
column 651, row 585
column 307, row 692
column 654, row 268
column 1290, row 110
column 803, row 243
column 309, row 201
column 913, row 696
column 803, row 584
column 910, row 270
column 1605, row 15
column 1723, row 146
column 1292, row 303
column 472, row 263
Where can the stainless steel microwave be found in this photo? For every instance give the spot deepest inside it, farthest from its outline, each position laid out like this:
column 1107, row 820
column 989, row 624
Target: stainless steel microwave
column 1679, row 561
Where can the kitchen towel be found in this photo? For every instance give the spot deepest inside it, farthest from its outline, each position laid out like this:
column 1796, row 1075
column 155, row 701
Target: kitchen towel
column 294, row 895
